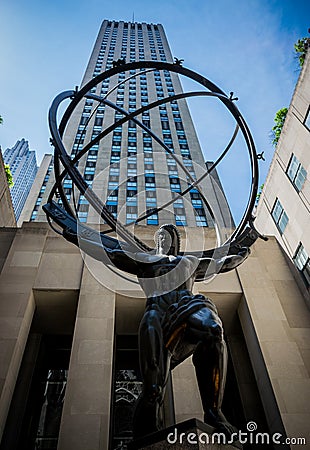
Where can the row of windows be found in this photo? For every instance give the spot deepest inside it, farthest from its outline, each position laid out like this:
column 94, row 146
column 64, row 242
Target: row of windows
column 132, row 207
column 297, row 174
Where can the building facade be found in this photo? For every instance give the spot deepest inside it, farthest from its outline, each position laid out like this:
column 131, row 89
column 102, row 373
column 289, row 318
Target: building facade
column 69, row 355
column 23, row 165
column 128, row 169
column 284, row 206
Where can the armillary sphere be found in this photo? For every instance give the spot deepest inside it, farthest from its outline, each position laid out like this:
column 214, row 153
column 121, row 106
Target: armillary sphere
column 66, row 166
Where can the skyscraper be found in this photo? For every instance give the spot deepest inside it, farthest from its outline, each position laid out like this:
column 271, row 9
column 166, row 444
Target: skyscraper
column 34, row 199
column 23, row 165
column 7, row 217
column 128, row 169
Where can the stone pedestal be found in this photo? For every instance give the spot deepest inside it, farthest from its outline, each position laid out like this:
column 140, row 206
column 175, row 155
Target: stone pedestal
column 189, row 435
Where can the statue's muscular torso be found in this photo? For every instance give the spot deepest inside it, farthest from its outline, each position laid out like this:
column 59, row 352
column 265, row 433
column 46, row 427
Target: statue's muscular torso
column 158, row 276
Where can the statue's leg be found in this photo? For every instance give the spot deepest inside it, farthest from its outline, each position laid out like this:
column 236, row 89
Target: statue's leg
column 210, row 361
column 154, row 367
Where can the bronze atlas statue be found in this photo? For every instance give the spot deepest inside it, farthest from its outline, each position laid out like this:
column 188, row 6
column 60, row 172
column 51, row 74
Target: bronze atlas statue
column 176, row 323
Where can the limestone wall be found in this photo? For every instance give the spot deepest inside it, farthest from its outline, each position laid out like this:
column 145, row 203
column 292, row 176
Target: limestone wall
column 274, row 315
column 42, row 272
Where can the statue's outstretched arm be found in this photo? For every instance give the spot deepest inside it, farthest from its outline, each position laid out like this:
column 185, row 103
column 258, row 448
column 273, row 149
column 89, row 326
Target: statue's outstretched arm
column 210, row 266
column 101, row 247
column 230, row 262
column 123, row 260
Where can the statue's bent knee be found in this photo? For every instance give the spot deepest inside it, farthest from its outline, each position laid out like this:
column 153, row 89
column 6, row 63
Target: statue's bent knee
column 206, row 326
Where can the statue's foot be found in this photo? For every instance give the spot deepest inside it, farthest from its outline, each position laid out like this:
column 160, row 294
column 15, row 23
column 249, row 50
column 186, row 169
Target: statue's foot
column 147, row 414
column 217, row 420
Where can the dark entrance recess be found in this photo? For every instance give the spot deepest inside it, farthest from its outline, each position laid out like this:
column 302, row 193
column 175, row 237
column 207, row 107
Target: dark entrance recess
column 35, row 413
column 127, row 386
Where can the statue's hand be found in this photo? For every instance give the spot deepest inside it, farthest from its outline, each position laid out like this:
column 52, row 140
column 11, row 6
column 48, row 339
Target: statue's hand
column 232, row 261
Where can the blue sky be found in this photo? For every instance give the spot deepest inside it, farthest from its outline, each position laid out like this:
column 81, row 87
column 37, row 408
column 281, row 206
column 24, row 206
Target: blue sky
column 244, row 46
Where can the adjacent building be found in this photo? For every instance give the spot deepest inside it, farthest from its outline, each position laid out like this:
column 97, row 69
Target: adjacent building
column 23, row 165
column 284, row 206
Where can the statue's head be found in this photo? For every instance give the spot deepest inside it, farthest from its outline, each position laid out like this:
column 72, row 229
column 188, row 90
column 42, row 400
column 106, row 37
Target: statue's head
column 167, row 240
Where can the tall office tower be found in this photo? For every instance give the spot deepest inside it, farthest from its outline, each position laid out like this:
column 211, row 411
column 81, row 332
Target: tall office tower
column 37, row 191
column 23, row 165
column 128, row 169
column 7, row 216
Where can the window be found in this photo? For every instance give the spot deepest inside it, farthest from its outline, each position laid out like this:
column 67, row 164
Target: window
column 112, row 185
column 307, row 119
column 152, row 220
column 180, row 220
column 89, row 170
column 114, row 171
column 112, row 207
column 302, row 262
column 149, row 181
column 197, row 203
column 82, row 200
column 88, row 177
column 131, row 172
column 296, row 173
column 150, row 201
column 279, row 216
column 82, row 216
column 200, row 212
column 131, row 217
column 33, row 216
column 83, row 207
column 178, row 203
column 132, row 201
column 132, row 184
column 201, row 221
column 149, row 168
column 67, row 184
column 92, row 158
column 179, row 210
